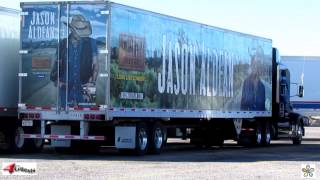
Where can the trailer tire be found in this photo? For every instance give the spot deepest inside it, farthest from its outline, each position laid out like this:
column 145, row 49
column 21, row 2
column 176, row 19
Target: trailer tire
column 9, row 140
column 274, row 131
column 165, row 136
column 142, row 139
column 157, row 138
column 15, row 140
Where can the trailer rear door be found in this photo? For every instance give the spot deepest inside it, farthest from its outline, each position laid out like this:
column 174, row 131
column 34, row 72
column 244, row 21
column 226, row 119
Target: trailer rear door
column 64, row 55
column 39, row 44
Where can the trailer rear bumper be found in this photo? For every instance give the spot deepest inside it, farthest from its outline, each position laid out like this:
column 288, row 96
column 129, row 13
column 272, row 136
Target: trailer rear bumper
column 61, row 135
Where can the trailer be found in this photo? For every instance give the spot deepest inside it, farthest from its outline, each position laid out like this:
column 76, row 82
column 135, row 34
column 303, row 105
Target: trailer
column 303, row 70
column 102, row 73
column 10, row 130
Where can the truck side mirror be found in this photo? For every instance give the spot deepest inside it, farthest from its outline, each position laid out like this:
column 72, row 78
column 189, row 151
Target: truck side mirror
column 301, row 91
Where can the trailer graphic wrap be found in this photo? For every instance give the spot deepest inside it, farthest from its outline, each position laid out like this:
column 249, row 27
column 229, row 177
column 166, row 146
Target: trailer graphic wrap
column 183, row 65
column 40, row 38
column 66, row 46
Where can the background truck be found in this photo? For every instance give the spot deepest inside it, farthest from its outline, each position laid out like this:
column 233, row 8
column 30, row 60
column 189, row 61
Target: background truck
column 10, row 130
column 303, row 70
column 101, row 73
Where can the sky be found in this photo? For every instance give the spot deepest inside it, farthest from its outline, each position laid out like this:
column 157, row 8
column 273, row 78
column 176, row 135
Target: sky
column 293, row 25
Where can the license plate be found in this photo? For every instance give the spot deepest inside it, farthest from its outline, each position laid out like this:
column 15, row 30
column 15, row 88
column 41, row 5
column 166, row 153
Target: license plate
column 27, row 123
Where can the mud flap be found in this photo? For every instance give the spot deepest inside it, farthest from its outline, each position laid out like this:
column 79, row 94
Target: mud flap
column 60, row 130
column 125, row 137
column 237, row 125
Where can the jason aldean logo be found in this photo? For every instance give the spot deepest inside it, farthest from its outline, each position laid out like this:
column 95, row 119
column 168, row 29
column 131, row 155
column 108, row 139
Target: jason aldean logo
column 19, row 168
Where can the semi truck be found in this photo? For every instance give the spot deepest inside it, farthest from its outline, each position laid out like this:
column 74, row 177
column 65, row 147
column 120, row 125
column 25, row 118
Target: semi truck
column 303, row 70
column 102, row 73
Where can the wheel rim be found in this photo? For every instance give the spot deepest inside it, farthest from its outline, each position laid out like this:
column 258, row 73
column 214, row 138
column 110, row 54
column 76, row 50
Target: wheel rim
column 268, row 135
column 19, row 140
column 268, row 138
column 38, row 143
column 158, row 138
column 143, row 139
column 259, row 137
column 299, row 132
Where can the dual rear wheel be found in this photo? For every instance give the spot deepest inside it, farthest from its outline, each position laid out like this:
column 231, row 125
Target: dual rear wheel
column 12, row 141
column 263, row 134
column 258, row 135
column 149, row 139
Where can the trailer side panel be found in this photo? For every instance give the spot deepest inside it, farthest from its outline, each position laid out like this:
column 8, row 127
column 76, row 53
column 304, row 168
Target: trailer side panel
column 161, row 62
column 9, row 61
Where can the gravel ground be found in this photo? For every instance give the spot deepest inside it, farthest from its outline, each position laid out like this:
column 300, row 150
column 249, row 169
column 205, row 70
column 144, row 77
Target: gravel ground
column 181, row 161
